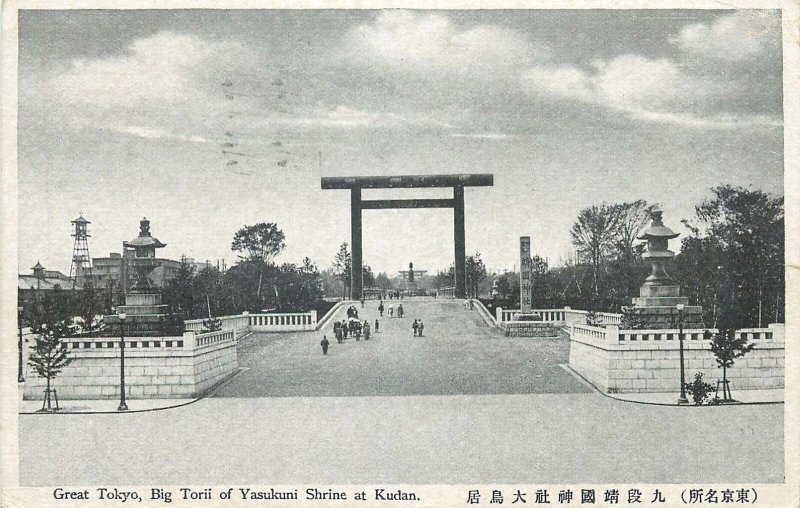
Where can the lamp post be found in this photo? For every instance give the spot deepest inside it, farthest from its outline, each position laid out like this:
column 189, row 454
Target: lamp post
column 682, row 399
column 20, row 377
column 122, row 405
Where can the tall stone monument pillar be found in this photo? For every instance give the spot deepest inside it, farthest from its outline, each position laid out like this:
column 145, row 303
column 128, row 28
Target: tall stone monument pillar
column 526, row 323
column 525, row 275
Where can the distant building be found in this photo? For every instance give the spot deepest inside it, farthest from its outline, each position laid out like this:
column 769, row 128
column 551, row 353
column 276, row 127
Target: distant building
column 114, row 270
column 42, row 280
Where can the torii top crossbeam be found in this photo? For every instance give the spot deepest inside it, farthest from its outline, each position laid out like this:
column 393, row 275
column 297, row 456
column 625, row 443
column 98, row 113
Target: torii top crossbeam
column 407, row 181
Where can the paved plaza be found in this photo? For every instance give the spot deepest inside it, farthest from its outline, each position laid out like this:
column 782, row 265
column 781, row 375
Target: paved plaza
column 296, row 416
column 459, row 354
column 530, row 439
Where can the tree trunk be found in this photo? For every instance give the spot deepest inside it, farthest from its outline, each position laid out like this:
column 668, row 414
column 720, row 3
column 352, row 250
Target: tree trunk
column 725, row 390
column 47, row 395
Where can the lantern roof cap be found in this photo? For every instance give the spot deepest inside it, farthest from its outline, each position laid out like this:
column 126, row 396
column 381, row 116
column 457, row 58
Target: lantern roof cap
column 657, row 229
column 145, row 239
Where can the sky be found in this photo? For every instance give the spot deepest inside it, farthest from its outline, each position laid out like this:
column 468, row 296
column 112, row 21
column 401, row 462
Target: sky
column 208, row 120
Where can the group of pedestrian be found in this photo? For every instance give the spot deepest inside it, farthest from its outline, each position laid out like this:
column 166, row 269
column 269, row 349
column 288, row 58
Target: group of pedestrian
column 352, row 327
column 418, row 326
column 390, row 310
column 397, row 295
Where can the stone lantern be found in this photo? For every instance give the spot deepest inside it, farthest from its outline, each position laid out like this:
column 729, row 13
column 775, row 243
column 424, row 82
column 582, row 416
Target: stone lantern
column 143, row 308
column 659, row 297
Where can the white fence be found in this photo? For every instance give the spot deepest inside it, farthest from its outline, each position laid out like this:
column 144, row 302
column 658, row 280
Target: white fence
column 238, row 322
column 268, row 322
column 611, row 334
column 561, row 317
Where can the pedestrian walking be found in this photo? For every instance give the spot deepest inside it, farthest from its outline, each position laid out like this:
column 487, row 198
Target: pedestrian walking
column 362, row 302
column 366, row 329
column 414, row 326
column 419, row 328
column 391, row 310
column 400, row 310
column 324, row 344
column 337, row 331
column 377, row 326
column 344, row 329
column 380, row 308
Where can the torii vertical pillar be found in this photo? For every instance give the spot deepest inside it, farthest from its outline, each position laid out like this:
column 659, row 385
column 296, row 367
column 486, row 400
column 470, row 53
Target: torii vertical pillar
column 459, row 239
column 357, row 268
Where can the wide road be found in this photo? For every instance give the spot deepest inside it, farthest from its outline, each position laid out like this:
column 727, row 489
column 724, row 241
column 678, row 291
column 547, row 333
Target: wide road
column 462, row 439
column 458, row 354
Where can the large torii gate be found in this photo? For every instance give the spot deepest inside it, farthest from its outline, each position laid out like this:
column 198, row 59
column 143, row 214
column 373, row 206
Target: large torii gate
column 457, row 182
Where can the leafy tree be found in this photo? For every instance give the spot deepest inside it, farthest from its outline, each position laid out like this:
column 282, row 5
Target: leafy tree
column 260, row 243
column 445, row 279
column 698, row 272
column 475, row 273
column 89, row 306
column 309, row 268
column 505, row 284
column 727, row 348
column 382, row 281
column 342, row 267
column 179, row 292
column 369, row 276
column 49, row 354
column 741, row 233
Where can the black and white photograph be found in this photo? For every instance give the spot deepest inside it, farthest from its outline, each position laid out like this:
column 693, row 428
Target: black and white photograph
column 423, row 255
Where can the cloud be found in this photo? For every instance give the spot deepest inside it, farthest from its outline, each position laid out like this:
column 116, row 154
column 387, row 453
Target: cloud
column 715, row 122
column 430, row 44
column 346, row 117
column 651, row 90
column 492, row 136
column 739, row 36
column 155, row 133
column 624, row 82
column 166, row 67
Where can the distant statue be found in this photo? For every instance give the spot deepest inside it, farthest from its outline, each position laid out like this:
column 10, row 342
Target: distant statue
column 411, row 272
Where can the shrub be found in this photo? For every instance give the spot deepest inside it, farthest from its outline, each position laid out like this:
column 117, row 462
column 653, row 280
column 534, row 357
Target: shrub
column 699, row 389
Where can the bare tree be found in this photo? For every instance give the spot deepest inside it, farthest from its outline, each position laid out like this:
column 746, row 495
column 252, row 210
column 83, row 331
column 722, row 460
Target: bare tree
column 342, row 267
column 593, row 235
column 633, row 217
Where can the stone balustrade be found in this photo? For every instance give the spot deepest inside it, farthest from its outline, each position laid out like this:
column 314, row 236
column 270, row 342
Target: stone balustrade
column 592, row 333
column 238, row 322
column 612, row 334
column 284, row 322
column 561, row 317
column 266, row 322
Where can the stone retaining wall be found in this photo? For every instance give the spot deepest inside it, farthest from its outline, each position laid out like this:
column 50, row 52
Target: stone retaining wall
column 616, row 366
column 155, row 367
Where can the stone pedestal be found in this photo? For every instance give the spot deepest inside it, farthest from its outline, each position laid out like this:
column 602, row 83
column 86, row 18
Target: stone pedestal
column 656, row 308
column 534, row 329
